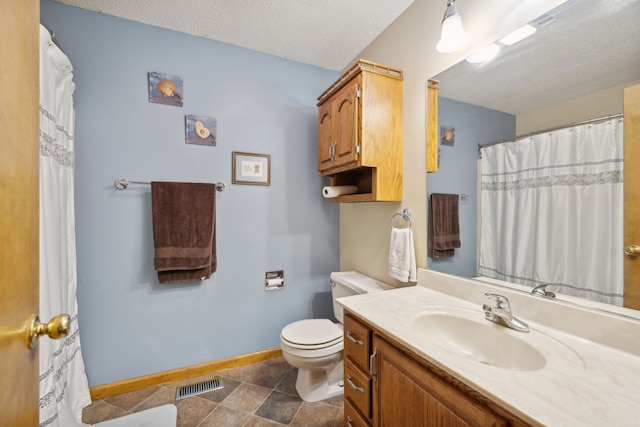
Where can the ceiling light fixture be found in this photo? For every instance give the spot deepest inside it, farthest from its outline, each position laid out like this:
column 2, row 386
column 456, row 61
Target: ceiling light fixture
column 453, row 36
column 519, row 34
column 485, row 54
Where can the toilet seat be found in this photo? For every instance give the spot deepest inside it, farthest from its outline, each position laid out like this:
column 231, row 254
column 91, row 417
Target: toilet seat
column 311, row 334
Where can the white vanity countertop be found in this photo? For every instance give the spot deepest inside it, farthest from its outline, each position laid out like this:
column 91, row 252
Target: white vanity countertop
column 585, row 382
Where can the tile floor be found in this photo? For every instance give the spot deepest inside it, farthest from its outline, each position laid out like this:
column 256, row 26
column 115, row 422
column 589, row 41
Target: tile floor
column 258, row 395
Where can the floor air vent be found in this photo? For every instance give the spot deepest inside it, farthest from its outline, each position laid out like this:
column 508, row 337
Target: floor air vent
column 198, row 388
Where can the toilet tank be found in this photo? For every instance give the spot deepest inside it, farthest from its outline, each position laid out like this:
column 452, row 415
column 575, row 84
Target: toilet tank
column 347, row 283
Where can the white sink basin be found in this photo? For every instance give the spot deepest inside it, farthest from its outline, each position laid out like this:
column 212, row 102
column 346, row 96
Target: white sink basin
column 470, row 335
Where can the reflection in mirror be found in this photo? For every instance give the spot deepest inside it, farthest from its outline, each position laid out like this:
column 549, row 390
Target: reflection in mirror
column 574, row 68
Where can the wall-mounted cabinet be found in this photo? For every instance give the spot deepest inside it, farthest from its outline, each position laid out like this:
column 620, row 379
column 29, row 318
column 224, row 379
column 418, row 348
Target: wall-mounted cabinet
column 360, row 133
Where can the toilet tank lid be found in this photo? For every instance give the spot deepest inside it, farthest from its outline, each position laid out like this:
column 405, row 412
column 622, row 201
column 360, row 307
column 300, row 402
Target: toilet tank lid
column 359, row 282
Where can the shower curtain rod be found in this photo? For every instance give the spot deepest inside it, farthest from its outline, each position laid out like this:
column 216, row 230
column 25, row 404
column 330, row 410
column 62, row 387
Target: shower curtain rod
column 122, row 184
column 584, row 122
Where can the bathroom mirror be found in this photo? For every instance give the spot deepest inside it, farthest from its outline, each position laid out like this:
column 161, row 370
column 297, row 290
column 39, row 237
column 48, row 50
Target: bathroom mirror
column 580, row 49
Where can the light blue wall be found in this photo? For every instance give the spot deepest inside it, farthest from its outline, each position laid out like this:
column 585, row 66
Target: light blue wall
column 458, row 170
column 130, row 324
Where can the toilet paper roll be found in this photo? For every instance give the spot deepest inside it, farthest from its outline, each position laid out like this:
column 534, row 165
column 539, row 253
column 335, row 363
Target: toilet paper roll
column 339, row 190
column 274, row 282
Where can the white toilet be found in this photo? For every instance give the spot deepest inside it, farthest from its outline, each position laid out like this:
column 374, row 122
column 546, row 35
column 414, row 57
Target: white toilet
column 314, row 346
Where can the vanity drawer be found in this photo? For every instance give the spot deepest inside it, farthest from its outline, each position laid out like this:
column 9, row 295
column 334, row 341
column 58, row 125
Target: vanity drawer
column 352, row 417
column 357, row 342
column 357, row 389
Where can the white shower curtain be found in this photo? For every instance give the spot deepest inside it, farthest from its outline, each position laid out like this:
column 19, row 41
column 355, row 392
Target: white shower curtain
column 552, row 211
column 64, row 389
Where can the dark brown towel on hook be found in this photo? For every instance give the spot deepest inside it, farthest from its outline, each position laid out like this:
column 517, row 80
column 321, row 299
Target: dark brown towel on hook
column 444, row 227
column 184, row 231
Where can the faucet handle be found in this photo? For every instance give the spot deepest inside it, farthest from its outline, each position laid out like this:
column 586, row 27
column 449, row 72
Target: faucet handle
column 541, row 290
column 502, row 314
column 501, row 301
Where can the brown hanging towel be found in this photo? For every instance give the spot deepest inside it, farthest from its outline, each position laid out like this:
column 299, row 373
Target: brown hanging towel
column 184, row 231
column 444, row 226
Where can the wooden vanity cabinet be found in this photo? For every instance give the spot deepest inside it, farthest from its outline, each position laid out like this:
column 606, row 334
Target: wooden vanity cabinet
column 406, row 390
column 360, row 132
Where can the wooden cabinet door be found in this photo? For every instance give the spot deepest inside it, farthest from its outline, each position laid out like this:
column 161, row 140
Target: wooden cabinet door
column 347, row 139
column 408, row 394
column 325, row 136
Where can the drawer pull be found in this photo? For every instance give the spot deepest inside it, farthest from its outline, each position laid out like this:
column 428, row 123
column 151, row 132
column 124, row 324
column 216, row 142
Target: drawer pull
column 353, row 386
column 349, row 422
column 371, row 365
column 353, row 340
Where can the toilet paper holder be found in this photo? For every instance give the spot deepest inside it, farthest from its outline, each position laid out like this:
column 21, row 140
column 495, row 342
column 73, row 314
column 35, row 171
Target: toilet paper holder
column 274, row 280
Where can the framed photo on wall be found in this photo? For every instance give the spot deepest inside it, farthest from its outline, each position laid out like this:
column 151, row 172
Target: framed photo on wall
column 251, row 168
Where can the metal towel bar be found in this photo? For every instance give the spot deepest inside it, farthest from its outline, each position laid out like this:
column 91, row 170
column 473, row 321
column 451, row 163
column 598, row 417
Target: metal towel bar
column 122, row 184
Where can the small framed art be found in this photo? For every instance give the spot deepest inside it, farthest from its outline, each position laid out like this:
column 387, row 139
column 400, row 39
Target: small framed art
column 251, row 168
column 165, row 89
column 447, row 135
column 200, row 130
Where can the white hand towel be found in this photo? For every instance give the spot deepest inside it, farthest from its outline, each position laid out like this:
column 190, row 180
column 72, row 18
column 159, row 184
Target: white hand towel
column 402, row 257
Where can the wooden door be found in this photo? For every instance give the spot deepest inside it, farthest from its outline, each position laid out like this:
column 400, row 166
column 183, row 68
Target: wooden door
column 346, row 124
column 325, row 136
column 18, row 209
column 632, row 194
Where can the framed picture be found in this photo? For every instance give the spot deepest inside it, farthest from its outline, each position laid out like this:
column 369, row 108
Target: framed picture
column 165, row 89
column 250, row 168
column 447, row 135
column 200, row 130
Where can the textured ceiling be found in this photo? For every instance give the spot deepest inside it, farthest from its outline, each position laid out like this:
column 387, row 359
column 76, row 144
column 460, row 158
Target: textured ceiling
column 325, row 33
column 592, row 45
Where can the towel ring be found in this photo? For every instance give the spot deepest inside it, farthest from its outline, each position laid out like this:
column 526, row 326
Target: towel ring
column 405, row 214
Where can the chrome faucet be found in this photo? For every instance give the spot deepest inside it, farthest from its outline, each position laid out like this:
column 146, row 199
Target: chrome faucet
column 541, row 291
column 501, row 313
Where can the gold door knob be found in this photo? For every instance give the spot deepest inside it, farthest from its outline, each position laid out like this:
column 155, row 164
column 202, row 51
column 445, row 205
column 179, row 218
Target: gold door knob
column 632, row 250
column 57, row 328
